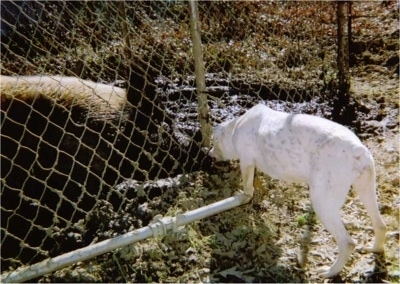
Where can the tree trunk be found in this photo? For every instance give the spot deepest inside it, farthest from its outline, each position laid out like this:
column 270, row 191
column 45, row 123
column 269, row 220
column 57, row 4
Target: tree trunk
column 203, row 109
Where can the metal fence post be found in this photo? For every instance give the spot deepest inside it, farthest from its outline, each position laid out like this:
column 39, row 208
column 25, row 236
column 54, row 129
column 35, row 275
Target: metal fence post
column 343, row 66
column 344, row 111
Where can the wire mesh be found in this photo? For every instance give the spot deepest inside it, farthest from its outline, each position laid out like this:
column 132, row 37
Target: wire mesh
column 123, row 111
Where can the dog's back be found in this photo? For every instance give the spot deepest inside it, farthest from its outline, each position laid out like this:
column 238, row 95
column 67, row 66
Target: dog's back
column 290, row 146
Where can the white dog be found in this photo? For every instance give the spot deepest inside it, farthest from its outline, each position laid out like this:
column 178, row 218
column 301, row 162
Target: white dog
column 304, row 148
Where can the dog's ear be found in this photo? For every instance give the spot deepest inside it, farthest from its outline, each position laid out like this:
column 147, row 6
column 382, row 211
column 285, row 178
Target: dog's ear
column 217, row 131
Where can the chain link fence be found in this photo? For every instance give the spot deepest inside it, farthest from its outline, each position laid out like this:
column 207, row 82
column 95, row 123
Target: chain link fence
column 121, row 115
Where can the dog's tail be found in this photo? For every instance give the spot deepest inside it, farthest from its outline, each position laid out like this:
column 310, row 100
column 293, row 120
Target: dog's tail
column 365, row 186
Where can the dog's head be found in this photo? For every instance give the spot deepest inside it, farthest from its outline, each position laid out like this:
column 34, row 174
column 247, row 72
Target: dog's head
column 223, row 148
column 216, row 150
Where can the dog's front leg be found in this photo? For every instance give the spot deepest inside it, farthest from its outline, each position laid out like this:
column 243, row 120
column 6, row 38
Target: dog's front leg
column 248, row 180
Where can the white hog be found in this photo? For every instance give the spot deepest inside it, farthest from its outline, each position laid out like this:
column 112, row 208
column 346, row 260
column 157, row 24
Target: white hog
column 304, row 148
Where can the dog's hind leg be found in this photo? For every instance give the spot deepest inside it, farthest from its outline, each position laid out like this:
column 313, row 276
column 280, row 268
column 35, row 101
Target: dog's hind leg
column 327, row 201
column 366, row 190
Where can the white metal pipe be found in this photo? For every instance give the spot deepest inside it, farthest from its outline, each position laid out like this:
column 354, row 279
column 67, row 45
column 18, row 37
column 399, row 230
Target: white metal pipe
column 159, row 228
column 58, row 262
column 210, row 210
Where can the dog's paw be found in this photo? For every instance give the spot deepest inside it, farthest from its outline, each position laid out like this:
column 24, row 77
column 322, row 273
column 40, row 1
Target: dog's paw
column 240, row 192
column 369, row 249
column 326, row 272
column 246, row 197
column 376, row 248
